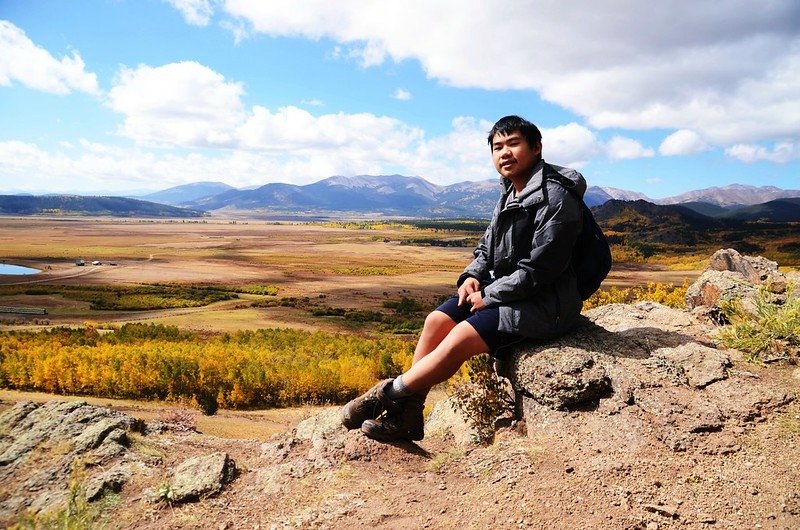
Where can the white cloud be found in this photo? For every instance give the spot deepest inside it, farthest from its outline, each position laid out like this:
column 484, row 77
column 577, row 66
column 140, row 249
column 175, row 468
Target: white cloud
column 286, row 145
column 654, row 180
column 620, row 148
column 683, row 142
column 238, row 30
column 195, row 12
column 570, row 145
column 313, row 102
column 189, row 105
column 363, row 135
column 23, row 61
column 402, row 94
column 730, row 72
column 184, row 104
column 461, row 154
column 780, row 153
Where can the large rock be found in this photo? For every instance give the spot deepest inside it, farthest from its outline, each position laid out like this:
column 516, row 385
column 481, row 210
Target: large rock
column 731, row 277
column 647, row 370
column 714, row 288
column 42, row 444
column 753, row 269
column 202, row 476
column 448, row 421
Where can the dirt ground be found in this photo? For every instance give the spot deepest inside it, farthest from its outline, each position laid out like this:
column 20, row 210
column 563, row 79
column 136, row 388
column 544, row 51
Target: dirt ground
column 554, row 479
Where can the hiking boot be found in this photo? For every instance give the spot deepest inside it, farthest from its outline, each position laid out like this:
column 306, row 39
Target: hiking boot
column 406, row 424
column 368, row 406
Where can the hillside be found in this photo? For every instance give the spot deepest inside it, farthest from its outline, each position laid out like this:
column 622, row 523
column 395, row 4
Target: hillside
column 80, row 205
column 644, row 221
column 777, row 211
column 402, row 196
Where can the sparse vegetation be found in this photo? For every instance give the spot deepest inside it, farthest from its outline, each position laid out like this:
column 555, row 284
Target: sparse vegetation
column 482, row 396
column 77, row 514
column 667, row 294
column 128, row 298
column 768, row 332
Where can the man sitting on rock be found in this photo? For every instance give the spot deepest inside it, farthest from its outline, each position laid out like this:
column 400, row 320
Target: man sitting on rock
column 520, row 284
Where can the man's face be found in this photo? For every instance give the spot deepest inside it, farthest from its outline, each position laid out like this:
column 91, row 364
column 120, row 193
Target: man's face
column 513, row 157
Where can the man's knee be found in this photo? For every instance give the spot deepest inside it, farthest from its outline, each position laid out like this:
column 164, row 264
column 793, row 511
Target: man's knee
column 438, row 320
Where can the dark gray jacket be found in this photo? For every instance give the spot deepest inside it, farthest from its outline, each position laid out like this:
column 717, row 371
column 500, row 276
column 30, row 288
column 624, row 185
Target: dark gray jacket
column 523, row 258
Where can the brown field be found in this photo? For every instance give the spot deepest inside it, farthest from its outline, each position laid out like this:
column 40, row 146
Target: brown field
column 344, row 267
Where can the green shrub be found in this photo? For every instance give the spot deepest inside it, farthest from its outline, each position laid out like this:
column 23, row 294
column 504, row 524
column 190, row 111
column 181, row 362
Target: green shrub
column 770, row 333
column 482, row 396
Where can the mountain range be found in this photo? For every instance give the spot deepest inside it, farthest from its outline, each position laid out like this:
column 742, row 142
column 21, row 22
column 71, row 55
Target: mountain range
column 394, row 196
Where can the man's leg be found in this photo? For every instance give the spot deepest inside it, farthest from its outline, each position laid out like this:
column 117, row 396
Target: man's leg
column 458, row 346
column 371, row 404
column 446, row 358
column 437, row 326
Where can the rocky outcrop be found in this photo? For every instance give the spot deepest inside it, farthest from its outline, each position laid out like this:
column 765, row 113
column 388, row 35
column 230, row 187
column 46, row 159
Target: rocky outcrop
column 75, row 435
column 202, row 476
column 731, row 277
column 54, row 451
column 649, row 372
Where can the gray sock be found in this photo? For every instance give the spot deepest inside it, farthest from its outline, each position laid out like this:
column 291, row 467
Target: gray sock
column 398, row 389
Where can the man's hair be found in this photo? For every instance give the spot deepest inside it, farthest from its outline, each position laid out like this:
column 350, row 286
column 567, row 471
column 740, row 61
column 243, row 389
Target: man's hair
column 508, row 124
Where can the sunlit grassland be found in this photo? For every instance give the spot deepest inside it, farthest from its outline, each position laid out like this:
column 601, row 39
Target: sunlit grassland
column 269, row 367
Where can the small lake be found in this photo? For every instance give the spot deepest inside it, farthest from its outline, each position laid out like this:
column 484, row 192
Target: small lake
column 17, row 270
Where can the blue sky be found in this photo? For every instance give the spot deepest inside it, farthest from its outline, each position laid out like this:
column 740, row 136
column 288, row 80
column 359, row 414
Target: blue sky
column 130, row 96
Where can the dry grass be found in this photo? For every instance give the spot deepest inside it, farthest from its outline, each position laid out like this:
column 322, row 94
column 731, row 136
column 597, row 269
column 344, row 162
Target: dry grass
column 345, row 265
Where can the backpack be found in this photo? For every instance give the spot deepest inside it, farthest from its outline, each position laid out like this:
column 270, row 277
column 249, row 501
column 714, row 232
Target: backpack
column 591, row 256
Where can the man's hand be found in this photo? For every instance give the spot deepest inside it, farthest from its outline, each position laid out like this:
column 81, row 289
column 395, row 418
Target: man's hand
column 476, row 301
column 470, row 286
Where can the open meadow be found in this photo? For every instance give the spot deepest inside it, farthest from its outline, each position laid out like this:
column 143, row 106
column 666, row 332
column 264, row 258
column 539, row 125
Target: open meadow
column 349, row 266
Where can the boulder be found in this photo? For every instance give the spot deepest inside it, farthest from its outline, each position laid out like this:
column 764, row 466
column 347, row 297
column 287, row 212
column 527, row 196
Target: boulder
column 731, row 277
column 714, row 288
column 446, row 420
column 754, row 270
column 43, row 445
column 202, row 476
column 646, row 371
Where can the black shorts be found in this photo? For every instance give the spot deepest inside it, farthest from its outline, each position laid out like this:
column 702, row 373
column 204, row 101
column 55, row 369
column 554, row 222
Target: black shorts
column 486, row 322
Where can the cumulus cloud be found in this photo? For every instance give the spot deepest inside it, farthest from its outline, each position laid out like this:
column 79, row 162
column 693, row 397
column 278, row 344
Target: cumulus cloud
column 683, row 142
column 780, row 153
column 729, row 72
column 33, row 66
column 184, row 104
column 620, row 148
column 572, row 145
column 195, row 12
column 285, row 145
column 402, row 94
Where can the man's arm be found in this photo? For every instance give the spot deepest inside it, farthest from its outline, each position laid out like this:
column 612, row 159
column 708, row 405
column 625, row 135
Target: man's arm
column 481, row 264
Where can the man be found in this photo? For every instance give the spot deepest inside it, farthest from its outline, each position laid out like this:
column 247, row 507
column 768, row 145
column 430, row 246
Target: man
column 519, row 285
